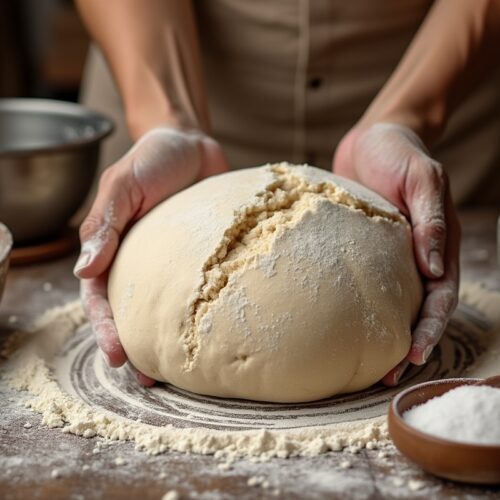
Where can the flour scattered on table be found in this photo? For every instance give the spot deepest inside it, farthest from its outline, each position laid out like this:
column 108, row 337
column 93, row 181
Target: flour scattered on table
column 30, row 369
column 415, row 485
column 224, row 465
column 171, row 495
column 261, row 481
column 120, row 461
column 398, row 481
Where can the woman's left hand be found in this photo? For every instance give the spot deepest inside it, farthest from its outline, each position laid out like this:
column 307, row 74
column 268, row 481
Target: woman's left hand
column 391, row 160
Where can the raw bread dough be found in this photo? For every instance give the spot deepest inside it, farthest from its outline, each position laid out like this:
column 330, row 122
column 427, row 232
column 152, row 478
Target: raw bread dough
column 279, row 283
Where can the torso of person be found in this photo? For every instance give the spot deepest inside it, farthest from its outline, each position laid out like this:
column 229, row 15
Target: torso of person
column 286, row 80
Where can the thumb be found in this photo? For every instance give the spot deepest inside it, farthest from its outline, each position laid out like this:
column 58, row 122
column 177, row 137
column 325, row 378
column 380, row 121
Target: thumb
column 118, row 200
column 213, row 159
column 424, row 194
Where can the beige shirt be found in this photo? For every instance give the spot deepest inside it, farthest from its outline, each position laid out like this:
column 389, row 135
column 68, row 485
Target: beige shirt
column 287, row 79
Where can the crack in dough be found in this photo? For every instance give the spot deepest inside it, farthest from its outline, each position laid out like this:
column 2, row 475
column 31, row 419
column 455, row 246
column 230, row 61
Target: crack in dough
column 251, row 236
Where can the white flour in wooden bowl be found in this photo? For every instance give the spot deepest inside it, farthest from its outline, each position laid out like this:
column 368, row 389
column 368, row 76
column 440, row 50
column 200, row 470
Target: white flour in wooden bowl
column 466, row 414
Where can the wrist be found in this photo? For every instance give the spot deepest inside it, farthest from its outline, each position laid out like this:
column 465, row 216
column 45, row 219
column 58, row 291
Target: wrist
column 140, row 123
column 426, row 120
column 148, row 105
column 143, row 115
column 168, row 130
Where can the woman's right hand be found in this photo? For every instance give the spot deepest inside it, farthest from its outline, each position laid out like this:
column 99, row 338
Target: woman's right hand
column 162, row 162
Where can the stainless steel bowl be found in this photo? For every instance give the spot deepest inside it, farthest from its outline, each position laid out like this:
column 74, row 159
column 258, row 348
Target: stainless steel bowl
column 5, row 248
column 48, row 159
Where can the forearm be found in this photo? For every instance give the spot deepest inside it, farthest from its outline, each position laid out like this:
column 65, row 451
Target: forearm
column 456, row 44
column 153, row 51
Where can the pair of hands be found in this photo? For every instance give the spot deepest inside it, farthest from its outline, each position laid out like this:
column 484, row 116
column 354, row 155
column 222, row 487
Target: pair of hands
column 389, row 159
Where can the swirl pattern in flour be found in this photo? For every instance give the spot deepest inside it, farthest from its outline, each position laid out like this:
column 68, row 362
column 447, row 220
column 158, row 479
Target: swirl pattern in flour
column 83, row 373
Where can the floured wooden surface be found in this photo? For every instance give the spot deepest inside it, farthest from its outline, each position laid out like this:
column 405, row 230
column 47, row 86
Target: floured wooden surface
column 56, row 464
column 59, row 365
column 31, row 457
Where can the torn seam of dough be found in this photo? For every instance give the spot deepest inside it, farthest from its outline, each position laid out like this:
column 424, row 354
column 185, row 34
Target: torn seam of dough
column 256, row 225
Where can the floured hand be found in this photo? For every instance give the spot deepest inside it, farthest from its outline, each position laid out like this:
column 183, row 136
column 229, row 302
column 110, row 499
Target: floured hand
column 391, row 160
column 162, row 162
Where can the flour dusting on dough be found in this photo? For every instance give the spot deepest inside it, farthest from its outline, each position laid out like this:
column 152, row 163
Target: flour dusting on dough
column 250, row 239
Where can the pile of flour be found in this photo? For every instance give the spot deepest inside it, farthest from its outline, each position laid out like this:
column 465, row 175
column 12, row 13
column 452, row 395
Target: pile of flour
column 29, row 369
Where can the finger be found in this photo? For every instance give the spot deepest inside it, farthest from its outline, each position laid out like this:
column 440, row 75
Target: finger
column 429, row 330
column 424, row 194
column 145, row 380
column 394, row 376
column 425, row 202
column 437, row 309
column 96, row 306
column 117, row 201
column 442, row 297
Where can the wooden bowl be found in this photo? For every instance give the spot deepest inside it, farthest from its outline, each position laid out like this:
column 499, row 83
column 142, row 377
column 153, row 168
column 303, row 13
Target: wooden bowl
column 462, row 462
column 5, row 248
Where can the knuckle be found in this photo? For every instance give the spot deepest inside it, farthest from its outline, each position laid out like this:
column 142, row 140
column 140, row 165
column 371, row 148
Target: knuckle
column 438, row 227
column 90, row 226
column 442, row 301
column 433, row 229
column 115, row 174
column 107, row 177
column 104, row 333
column 427, row 331
column 448, row 304
column 452, row 298
column 437, row 175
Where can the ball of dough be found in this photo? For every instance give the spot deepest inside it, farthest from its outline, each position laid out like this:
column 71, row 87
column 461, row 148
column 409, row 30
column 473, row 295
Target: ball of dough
column 278, row 283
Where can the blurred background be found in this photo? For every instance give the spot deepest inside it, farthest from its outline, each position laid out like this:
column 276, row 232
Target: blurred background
column 49, row 150
column 43, row 46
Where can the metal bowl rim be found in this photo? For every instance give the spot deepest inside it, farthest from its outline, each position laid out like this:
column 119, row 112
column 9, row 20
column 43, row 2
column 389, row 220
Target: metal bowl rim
column 56, row 107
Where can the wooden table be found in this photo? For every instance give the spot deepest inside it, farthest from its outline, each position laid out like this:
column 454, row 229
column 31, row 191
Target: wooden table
column 37, row 462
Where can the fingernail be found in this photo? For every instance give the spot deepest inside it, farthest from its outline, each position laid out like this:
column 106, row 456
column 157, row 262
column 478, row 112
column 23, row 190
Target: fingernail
column 436, row 263
column 82, row 262
column 427, row 352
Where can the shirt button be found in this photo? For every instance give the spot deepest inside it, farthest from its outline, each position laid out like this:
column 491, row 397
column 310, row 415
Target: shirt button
column 315, row 82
